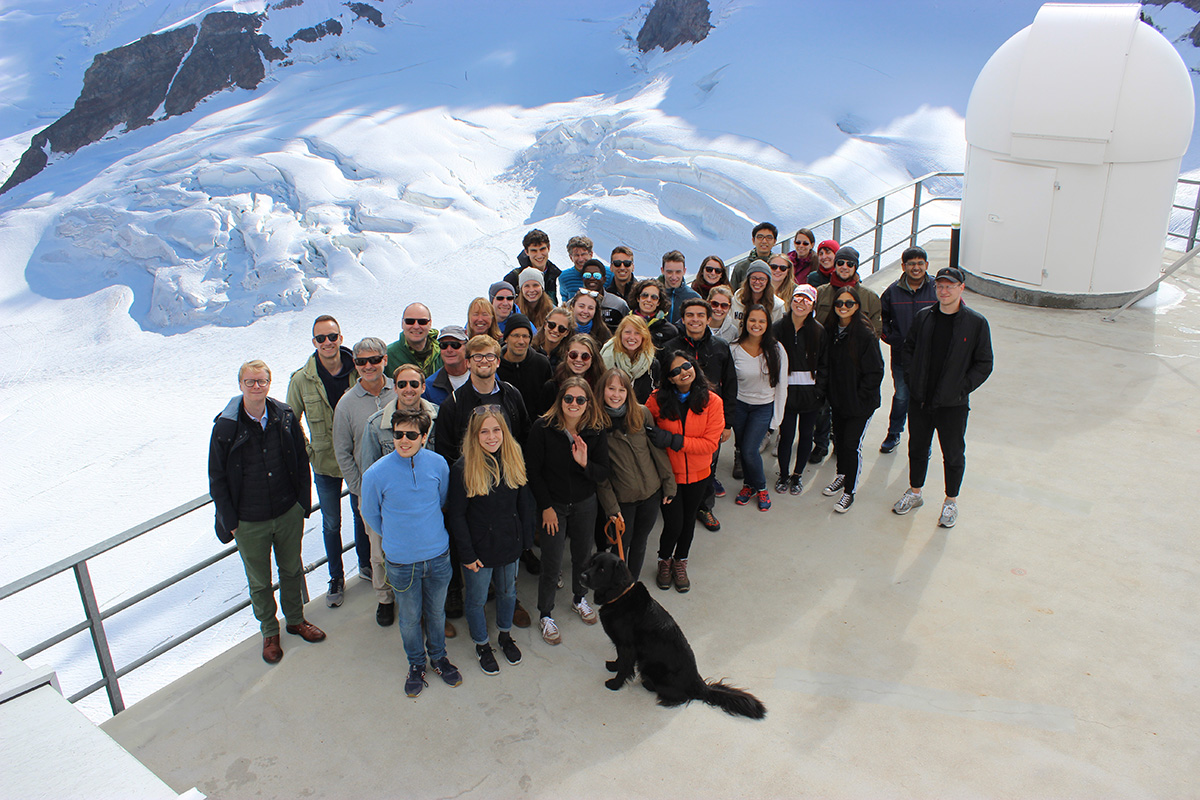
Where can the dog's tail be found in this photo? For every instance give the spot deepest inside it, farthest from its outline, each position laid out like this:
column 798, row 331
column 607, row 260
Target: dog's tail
column 733, row 700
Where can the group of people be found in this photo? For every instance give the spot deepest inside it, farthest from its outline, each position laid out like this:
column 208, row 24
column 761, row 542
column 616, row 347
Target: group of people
column 580, row 407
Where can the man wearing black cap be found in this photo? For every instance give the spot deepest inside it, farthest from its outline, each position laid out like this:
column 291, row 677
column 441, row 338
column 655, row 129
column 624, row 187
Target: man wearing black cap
column 523, row 367
column 947, row 355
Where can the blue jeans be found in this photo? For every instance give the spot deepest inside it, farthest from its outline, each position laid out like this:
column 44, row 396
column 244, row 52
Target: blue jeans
column 750, row 424
column 899, row 398
column 421, row 590
column 476, row 586
column 329, row 494
column 362, row 544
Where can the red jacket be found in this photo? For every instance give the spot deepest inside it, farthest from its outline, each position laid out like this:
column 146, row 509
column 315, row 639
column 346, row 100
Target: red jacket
column 701, row 438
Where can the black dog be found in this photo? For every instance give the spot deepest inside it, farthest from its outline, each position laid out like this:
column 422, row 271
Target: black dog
column 645, row 635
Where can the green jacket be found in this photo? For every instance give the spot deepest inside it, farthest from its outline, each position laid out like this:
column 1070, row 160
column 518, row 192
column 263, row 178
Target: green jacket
column 399, row 353
column 306, row 395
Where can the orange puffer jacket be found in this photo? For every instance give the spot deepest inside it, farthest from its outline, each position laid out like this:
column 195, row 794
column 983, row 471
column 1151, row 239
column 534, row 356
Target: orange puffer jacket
column 701, row 438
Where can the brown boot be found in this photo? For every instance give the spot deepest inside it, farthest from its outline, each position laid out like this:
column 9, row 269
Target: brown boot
column 450, row 631
column 272, row 652
column 521, row 616
column 682, row 584
column 664, row 573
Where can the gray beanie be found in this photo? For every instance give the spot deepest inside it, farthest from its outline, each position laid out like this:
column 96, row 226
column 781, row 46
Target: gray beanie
column 758, row 265
column 531, row 274
column 847, row 254
column 497, row 286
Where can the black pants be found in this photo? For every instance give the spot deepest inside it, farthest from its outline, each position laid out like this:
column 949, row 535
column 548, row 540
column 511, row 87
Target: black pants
column 710, row 497
column 849, row 432
column 679, row 519
column 950, row 422
column 640, row 519
column 577, row 523
column 822, row 429
column 805, row 422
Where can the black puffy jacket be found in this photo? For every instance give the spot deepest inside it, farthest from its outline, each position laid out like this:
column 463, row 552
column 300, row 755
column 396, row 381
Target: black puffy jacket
column 855, row 374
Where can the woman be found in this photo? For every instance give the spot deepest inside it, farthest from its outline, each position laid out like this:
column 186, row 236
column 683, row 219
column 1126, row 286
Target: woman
column 532, row 299
column 826, row 255
column 567, row 456
column 551, row 339
column 632, row 349
column 491, row 515
column 640, row 480
column 723, row 326
column 712, row 273
column 804, row 340
column 581, row 359
column 481, row 319
column 650, row 303
column 802, row 257
column 694, row 417
column 782, row 283
column 855, row 372
column 584, row 307
column 756, row 289
column 762, row 366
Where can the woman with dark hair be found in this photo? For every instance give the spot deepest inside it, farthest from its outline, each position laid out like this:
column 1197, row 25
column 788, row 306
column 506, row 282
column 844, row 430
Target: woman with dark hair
column 580, row 358
column 757, row 289
column 762, row 367
column 802, row 256
column 712, row 273
column 585, row 309
column 693, row 419
column 551, row 339
column 567, row 456
column 632, row 349
column 640, row 480
column 481, row 319
column 804, row 340
column 649, row 302
column 855, row 373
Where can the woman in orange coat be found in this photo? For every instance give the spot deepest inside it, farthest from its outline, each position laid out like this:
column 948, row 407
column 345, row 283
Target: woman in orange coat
column 691, row 420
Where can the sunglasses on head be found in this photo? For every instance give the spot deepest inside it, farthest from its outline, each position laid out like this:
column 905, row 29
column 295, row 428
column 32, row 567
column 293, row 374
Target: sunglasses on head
column 574, row 399
column 321, row 338
column 681, row 368
column 845, row 303
column 490, row 408
column 579, row 355
column 589, row 293
column 412, row 384
column 593, row 276
column 554, row 326
column 416, row 320
column 369, row 360
column 453, row 344
column 412, row 436
column 622, row 263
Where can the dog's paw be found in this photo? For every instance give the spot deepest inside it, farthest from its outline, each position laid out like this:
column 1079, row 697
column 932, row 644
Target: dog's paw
column 611, row 666
column 614, row 683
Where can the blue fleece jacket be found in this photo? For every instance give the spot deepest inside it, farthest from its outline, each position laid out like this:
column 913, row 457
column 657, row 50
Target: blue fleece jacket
column 402, row 499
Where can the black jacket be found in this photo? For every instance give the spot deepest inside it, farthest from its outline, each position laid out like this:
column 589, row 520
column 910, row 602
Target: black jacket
column 899, row 305
column 494, row 528
column 455, row 412
column 554, row 475
column 661, row 332
column 549, row 277
column 804, row 397
column 968, row 362
column 716, row 359
column 529, row 376
column 854, row 374
column 226, row 457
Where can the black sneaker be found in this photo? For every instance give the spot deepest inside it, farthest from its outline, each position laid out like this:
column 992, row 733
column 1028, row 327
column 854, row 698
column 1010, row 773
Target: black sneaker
column 415, row 681
column 781, row 484
column 890, row 443
column 385, row 614
column 533, row 564
column 449, row 672
column 512, row 653
column 835, row 486
column 795, row 485
column 844, row 503
column 818, row 455
column 336, row 593
column 487, row 660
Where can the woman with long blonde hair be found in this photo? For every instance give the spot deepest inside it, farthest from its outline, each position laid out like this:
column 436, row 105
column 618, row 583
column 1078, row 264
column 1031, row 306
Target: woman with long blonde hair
column 782, row 281
column 491, row 515
column 632, row 349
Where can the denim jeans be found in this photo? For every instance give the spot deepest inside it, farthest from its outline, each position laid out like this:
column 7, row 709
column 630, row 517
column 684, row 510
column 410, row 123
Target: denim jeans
column 899, row 398
column 750, row 424
column 329, row 491
column 421, row 590
column 475, row 585
column 362, row 543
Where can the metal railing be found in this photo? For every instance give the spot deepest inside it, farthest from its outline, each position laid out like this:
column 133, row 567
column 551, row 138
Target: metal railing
column 1190, row 236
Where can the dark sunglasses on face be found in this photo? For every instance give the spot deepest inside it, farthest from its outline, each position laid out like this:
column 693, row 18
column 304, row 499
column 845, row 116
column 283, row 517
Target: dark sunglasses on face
column 714, row 270
column 554, row 326
column 369, row 360
column 778, row 268
column 321, row 338
column 574, row 399
column 841, row 262
column 413, row 384
column 844, row 303
column 718, row 305
column 622, row 263
column 504, row 298
column 648, row 296
column 453, row 344
column 681, row 368
column 593, row 276
column 416, row 320
column 412, row 436
column 579, row 355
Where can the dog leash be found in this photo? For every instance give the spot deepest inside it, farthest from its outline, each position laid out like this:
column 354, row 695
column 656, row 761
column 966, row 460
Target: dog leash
column 614, row 531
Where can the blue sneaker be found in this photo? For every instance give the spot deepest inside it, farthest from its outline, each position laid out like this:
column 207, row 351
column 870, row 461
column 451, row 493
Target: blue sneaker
column 448, row 671
column 415, row 681
column 718, row 488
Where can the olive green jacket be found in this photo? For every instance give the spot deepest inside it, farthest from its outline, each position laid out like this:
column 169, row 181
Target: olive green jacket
column 306, row 395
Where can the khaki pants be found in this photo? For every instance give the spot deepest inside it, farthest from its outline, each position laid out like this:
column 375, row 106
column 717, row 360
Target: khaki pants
column 383, row 592
column 255, row 540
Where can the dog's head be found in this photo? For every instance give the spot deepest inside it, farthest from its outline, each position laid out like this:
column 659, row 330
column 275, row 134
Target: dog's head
column 607, row 575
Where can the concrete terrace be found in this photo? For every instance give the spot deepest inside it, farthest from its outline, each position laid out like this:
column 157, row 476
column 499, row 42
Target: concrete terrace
column 1045, row 647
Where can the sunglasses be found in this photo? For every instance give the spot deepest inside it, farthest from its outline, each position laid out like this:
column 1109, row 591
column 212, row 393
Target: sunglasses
column 554, row 326
column 593, row 276
column 413, row 384
column 841, row 262
column 718, row 305
column 579, row 355
column 452, row 344
column 845, row 303
column 648, row 296
column 504, row 298
column 412, row 436
column 369, row 360
column 416, row 320
column 714, row 270
column 490, row 408
column 681, row 368
column 622, row 263
column 778, row 268
column 574, row 400
column 589, row 293
column 321, row 338
column 483, row 358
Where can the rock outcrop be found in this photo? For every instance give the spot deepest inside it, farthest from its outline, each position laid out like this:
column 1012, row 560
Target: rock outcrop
column 671, row 23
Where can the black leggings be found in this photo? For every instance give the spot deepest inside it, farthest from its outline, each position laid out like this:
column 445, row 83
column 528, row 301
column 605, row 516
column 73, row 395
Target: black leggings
column 805, row 421
column 849, row 432
column 679, row 519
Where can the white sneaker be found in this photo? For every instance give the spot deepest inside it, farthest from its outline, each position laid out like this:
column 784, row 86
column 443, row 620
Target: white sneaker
column 585, row 612
column 949, row 514
column 550, row 632
column 908, row 502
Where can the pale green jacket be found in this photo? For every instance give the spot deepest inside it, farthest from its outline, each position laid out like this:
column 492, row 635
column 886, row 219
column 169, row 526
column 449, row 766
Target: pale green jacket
column 306, row 395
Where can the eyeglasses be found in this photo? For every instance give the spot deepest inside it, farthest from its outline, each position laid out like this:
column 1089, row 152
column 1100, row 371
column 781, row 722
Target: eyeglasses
column 369, row 360
column 714, row 270
column 845, row 303
column 554, row 326
column 593, row 276
column 504, row 298
column 841, row 262
column 588, row 292
column 579, row 355
column 451, row 344
column 718, row 305
column 257, row 382
column 622, row 263
column 574, row 400
column 764, row 237
column 681, row 368
column 412, row 436
column 413, row 384
column 416, row 320
column 321, row 338
column 483, row 358
column 648, row 296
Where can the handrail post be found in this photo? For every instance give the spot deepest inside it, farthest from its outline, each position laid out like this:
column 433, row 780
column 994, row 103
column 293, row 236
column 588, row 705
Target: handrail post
column 878, row 235
column 1195, row 221
column 99, row 640
column 916, row 215
column 837, row 228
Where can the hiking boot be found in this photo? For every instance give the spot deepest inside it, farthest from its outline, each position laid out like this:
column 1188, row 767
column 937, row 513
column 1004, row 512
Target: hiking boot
column 744, row 496
column 550, row 634
column 818, row 455
column 585, row 611
column 890, row 443
column 663, row 580
column 718, row 488
column 679, row 568
column 908, row 501
column 415, row 681
column 843, row 504
column 385, row 614
column 336, row 593
column 781, row 484
column 835, row 487
column 521, row 616
column 795, row 486
column 707, row 519
column 449, row 672
column 949, row 514
column 512, row 653
column 487, row 659
column 764, row 500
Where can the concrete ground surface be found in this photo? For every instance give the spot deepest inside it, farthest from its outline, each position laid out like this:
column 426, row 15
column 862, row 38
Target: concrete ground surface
column 1047, row 646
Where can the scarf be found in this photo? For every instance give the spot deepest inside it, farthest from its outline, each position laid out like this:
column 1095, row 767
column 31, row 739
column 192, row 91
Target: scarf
column 617, row 357
column 581, row 328
column 838, row 283
column 618, row 413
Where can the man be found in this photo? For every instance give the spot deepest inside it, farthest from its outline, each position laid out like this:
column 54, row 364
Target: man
column 417, row 343
column 313, row 393
column 259, row 481
column 404, row 494
column 579, row 248
column 612, row 308
column 349, row 418
column 621, row 267
column 763, row 236
column 502, row 296
column 947, row 355
column 536, row 254
column 721, row 323
column 716, row 359
column 483, row 388
column 845, row 273
column 674, row 289
column 899, row 303
column 453, row 374
column 525, row 368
